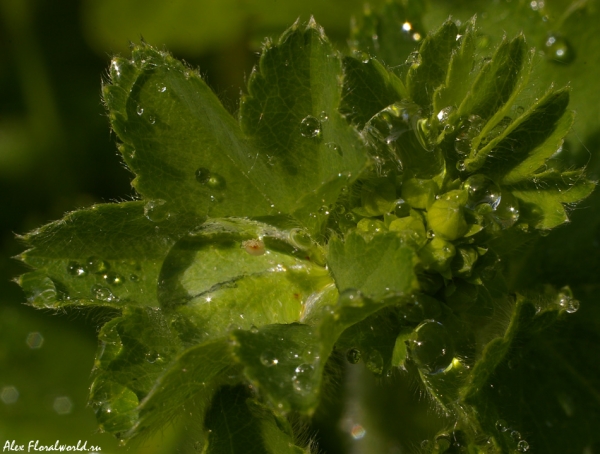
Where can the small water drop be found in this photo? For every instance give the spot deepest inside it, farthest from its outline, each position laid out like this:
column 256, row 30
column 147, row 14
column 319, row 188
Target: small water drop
column 103, row 294
column 161, row 88
column 134, row 278
column 430, row 234
column 152, row 356
column 96, row 265
column 254, row 246
column 523, row 446
column 335, row 147
column 310, row 127
column 302, row 379
column 374, row 362
column 76, row 269
column 515, row 435
column 151, row 119
column 340, row 209
column 482, row 190
column 139, row 110
column 353, row 355
column 113, row 278
column 501, row 425
column 351, row 298
column 558, row 49
column 323, row 117
column 566, row 300
column 157, row 210
column 268, row 358
column 210, row 179
column 461, row 166
column 401, row 208
column 433, row 349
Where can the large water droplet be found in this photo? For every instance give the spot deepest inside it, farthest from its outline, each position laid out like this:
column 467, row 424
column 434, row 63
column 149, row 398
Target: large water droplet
column 268, row 358
column 482, row 190
column 559, row 50
column 433, row 349
column 353, row 355
column 523, row 446
column 96, row 265
column 157, row 210
column 302, row 379
column 310, row 127
column 76, row 269
column 507, row 212
column 210, row 179
column 374, row 362
column 103, row 294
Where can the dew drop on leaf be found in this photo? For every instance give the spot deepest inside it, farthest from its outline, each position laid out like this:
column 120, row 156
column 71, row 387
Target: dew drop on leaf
column 97, row 265
column 566, row 300
column 443, row 114
column 353, row 355
column 374, row 362
column 515, row 435
column 501, row 425
column 310, row 127
column 161, row 88
column 139, row 110
column 268, row 358
column 302, row 379
column 335, row 147
column 482, row 190
column 558, row 49
column 113, row 278
column 432, row 350
column 152, row 357
column 103, row 294
column 461, row 166
column 523, row 446
column 157, row 210
column 134, row 278
column 151, row 119
column 323, row 117
column 76, row 269
column 210, row 179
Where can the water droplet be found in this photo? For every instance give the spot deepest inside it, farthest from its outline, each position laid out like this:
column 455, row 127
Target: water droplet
column 401, row 208
column 76, row 269
column 374, row 362
column 9, row 395
column 350, row 217
column 469, row 128
column 482, row 190
column 352, row 298
column 432, row 350
column 523, row 446
column 302, row 379
column 113, row 278
column 254, row 329
column 443, row 114
column 161, row 88
column 254, row 246
column 96, row 265
column 62, row 405
column 139, row 110
column 566, row 300
column 157, row 210
column 134, row 278
column 353, row 355
column 34, row 340
column 430, row 234
column 310, row 127
column 515, row 435
column 507, row 212
column 335, row 147
column 323, row 117
column 558, row 49
column 151, row 119
column 152, row 356
column 340, row 209
column 103, row 294
column 300, row 238
column 461, row 166
column 268, row 358
column 520, row 110
column 501, row 425
column 210, row 179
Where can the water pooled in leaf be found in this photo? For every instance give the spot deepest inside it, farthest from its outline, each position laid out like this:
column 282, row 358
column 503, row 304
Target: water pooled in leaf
column 335, row 147
column 113, row 278
column 353, row 355
column 268, row 358
column 76, row 269
column 103, row 294
column 558, row 49
column 310, row 127
column 157, row 210
column 523, row 446
column 433, row 349
column 210, row 179
column 482, row 190
column 374, row 362
column 302, row 379
column 97, row 265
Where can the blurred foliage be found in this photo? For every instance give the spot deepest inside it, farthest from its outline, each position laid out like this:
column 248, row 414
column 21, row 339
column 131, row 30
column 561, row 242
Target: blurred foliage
column 56, row 154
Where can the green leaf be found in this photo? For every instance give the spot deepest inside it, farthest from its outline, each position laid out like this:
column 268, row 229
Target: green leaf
column 429, row 71
column 291, row 115
column 239, row 424
column 377, row 268
column 107, row 255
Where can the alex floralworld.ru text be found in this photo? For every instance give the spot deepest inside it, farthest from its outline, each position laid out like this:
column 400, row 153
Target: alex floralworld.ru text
column 33, row 446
